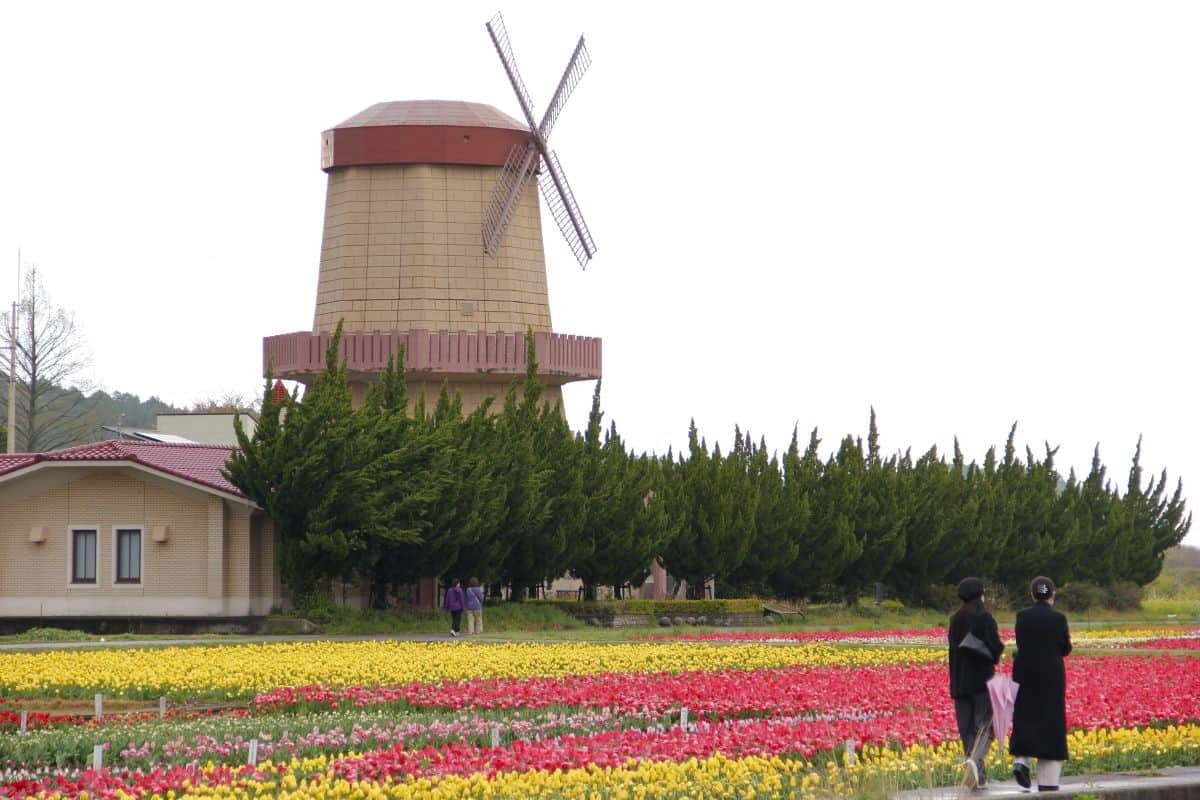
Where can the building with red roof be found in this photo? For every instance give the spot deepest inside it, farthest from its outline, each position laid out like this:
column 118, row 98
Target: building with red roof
column 132, row 529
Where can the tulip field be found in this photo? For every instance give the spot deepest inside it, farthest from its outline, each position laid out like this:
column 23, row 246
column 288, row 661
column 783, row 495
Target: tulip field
column 737, row 715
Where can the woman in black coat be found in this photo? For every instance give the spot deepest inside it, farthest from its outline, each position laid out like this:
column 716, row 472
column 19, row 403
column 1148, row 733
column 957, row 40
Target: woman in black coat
column 969, row 674
column 1040, row 715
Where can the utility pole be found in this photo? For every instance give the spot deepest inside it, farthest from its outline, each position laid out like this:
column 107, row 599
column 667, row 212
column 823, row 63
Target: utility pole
column 12, row 366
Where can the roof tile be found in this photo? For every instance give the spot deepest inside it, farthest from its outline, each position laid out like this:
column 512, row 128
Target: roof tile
column 198, row 463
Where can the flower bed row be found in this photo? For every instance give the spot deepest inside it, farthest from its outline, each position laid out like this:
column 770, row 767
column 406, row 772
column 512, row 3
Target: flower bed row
column 901, row 703
column 1101, row 691
column 784, row 711
column 1159, row 637
column 678, row 765
column 285, row 736
column 239, row 671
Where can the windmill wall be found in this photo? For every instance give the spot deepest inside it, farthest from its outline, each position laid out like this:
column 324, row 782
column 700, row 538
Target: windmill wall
column 401, row 251
column 402, row 260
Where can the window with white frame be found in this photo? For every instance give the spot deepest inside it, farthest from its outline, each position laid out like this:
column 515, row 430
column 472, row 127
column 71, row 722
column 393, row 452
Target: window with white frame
column 83, row 556
column 129, row 555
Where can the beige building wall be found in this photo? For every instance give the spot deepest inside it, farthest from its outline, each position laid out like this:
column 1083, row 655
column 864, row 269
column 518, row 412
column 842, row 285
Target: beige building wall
column 214, row 428
column 403, row 250
column 176, row 574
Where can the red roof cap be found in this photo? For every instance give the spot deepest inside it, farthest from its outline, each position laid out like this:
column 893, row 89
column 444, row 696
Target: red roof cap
column 197, row 463
column 423, row 132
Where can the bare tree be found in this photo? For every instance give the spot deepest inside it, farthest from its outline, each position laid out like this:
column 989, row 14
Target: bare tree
column 50, row 361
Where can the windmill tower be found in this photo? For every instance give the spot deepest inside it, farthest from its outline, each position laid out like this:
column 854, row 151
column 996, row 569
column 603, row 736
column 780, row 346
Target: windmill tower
column 433, row 243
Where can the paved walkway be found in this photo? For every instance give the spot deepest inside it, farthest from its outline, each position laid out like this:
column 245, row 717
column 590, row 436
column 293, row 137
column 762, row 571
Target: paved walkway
column 1174, row 783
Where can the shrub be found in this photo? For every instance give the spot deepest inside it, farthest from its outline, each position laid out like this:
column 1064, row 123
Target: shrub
column 50, row 635
column 658, row 608
column 943, row 597
column 1124, row 596
column 1081, row 595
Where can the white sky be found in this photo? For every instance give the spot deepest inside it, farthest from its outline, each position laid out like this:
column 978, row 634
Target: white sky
column 965, row 214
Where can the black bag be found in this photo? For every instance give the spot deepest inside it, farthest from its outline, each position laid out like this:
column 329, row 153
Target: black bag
column 973, row 644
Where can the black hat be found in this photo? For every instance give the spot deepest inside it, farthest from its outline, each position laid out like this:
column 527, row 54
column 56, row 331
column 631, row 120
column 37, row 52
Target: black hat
column 1041, row 588
column 969, row 589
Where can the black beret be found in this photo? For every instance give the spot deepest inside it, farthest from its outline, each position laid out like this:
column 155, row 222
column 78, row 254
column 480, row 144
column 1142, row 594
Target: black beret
column 969, row 589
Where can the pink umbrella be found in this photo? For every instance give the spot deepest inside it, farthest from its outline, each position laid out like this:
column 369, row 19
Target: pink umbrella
column 1002, row 690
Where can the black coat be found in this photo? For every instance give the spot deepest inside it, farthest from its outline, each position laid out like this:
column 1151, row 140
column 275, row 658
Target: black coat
column 1040, row 715
column 969, row 673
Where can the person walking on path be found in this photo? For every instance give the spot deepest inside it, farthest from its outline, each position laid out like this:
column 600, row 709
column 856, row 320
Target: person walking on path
column 456, row 601
column 971, row 666
column 1040, row 715
column 474, row 606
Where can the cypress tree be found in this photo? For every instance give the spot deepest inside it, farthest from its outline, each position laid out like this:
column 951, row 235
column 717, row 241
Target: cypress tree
column 774, row 547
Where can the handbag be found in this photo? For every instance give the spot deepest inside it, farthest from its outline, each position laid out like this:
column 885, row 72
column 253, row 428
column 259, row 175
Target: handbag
column 973, row 644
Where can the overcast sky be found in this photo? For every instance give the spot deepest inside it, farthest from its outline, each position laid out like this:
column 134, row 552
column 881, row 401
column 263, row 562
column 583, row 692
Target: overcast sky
column 966, row 215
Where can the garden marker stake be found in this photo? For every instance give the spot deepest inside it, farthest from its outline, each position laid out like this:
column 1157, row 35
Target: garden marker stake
column 252, row 754
column 98, row 756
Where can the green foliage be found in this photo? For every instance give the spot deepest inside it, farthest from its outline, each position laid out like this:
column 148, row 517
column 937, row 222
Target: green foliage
column 713, row 499
column 1080, row 596
column 49, row 635
column 661, row 607
column 498, row 617
column 1124, row 596
column 513, row 497
column 623, row 521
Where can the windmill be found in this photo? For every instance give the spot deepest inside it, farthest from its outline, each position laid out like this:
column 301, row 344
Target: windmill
column 410, row 185
column 523, row 161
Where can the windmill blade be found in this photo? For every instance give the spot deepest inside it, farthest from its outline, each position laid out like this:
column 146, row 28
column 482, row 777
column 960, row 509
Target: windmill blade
column 565, row 210
column 499, row 35
column 579, row 63
column 520, row 164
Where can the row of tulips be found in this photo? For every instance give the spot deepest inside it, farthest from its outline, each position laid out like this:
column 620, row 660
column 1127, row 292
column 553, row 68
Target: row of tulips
column 10, row 721
column 1112, row 691
column 1160, row 637
column 1102, row 692
column 570, row 771
column 238, row 671
column 821, row 706
column 287, row 736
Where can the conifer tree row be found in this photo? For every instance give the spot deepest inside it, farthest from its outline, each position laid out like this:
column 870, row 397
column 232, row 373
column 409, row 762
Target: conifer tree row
column 388, row 496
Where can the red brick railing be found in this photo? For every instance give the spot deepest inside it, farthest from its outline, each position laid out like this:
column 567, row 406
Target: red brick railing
column 561, row 358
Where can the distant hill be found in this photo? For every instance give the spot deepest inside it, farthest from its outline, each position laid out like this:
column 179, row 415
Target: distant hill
column 1183, row 558
column 88, row 413
column 106, row 409
column 1180, row 577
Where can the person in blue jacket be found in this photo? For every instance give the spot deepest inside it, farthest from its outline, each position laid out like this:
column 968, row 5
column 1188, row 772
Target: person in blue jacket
column 474, row 606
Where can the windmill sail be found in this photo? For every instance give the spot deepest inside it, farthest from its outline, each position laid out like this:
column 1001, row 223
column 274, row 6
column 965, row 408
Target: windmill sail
column 522, row 163
column 561, row 202
column 580, row 61
column 519, row 166
column 499, row 36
